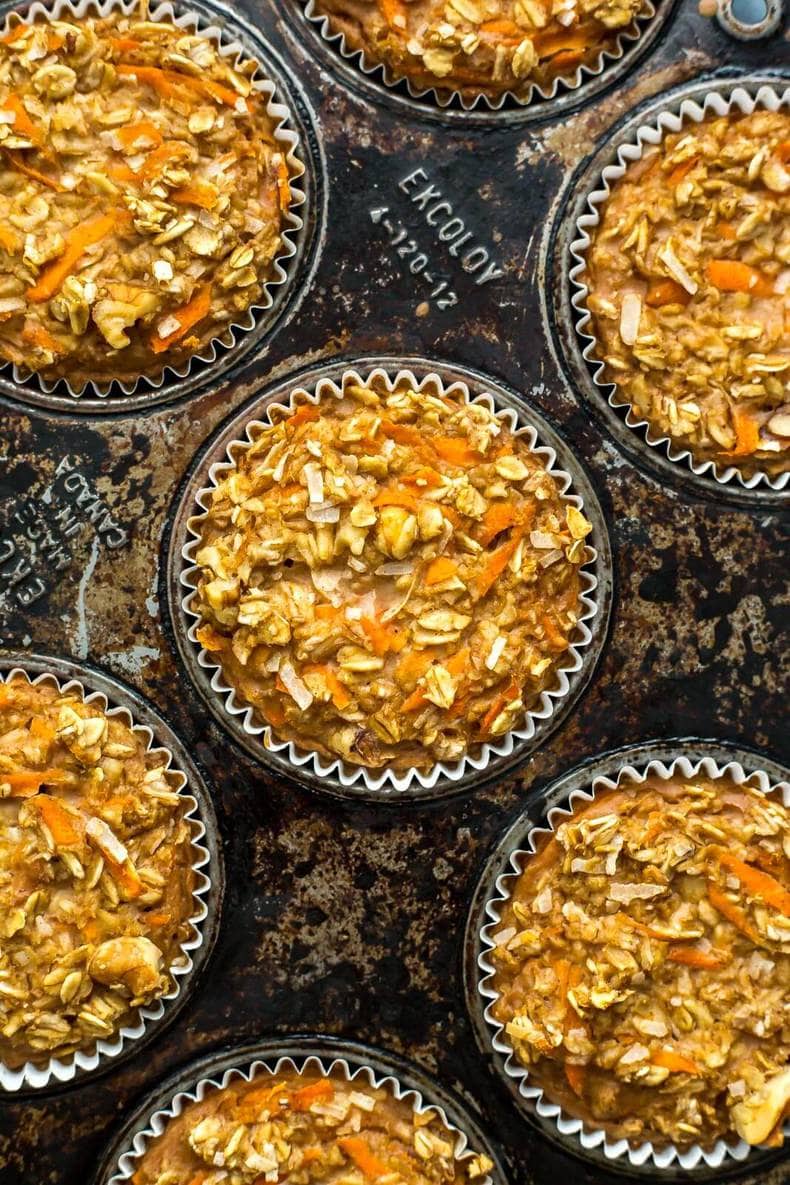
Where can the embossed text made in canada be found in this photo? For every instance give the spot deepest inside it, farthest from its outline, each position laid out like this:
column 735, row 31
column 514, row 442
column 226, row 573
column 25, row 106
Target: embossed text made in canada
column 450, row 230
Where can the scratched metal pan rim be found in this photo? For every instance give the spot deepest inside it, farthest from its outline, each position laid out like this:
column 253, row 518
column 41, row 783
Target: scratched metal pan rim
column 539, row 102
column 292, row 118
column 669, row 113
column 148, row 1022
column 487, row 762
column 403, row 1079
column 556, row 803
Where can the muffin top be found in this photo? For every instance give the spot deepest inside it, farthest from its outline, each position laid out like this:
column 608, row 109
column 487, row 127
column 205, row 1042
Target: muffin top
column 479, row 47
column 643, row 962
column 689, row 289
column 95, row 876
column 389, row 577
column 142, row 196
column 306, row 1128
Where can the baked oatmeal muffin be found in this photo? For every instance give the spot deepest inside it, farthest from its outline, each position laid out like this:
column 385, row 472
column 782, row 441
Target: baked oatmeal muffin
column 95, row 876
column 389, row 577
column 306, row 1128
column 142, row 196
column 689, row 282
column 643, row 963
column 481, row 47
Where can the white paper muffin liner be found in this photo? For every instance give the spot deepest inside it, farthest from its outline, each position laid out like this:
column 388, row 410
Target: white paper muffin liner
column 567, row 1125
column 128, row 1161
column 738, row 100
column 63, row 1069
column 443, row 96
column 346, row 773
column 234, row 52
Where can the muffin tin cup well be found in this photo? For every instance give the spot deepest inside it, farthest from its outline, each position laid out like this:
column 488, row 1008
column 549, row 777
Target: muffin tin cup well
column 584, row 79
column 353, row 1061
column 730, row 98
column 234, row 45
column 116, row 700
column 577, row 789
column 486, row 761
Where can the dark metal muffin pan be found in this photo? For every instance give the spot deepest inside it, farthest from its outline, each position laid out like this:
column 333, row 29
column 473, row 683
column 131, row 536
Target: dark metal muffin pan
column 433, row 237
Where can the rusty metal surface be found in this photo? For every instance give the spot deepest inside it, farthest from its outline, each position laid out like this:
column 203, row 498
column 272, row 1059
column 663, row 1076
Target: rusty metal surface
column 348, row 919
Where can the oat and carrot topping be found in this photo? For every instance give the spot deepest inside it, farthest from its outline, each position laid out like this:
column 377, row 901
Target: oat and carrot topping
column 689, row 278
column 95, row 877
column 481, row 46
column 643, row 963
column 142, row 196
column 390, row 577
column 306, row 1128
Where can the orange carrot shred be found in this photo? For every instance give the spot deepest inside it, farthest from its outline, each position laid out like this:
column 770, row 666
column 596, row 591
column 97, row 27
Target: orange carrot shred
column 440, row 569
column 730, row 275
column 9, row 241
column 35, row 175
column 394, row 13
column 758, row 883
column 337, row 690
column 455, row 450
column 677, row 1063
column 135, row 132
column 576, row 1076
column 495, row 565
column 363, row 1158
column 497, row 518
column 662, row 292
column 63, row 826
column 197, row 194
column 302, row 1099
column 78, row 240
column 395, row 497
column 732, row 912
column 28, row 782
column 194, row 311
column 692, row 956
column 23, row 125
column 747, row 434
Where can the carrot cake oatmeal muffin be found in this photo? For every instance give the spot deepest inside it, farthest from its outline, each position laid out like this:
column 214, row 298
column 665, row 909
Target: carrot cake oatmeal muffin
column 389, row 578
column 689, row 280
column 306, row 1128
column 480, row 47
column 643, row 963
column 142, row 196
column 95, row 877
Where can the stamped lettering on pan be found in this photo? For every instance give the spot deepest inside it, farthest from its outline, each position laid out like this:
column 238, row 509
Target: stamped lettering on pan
column 454, row 246
column 37, row 533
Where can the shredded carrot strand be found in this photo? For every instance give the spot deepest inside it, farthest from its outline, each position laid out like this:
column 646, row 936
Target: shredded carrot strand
column 495, row 565
column 730, row 275
column 758, row 883
column 677, row 1063
column 732, row 912
column 78, row 240
column 194, row 311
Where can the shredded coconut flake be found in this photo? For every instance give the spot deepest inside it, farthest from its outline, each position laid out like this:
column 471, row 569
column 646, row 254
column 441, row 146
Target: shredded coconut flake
column 295, row 687
column 106, row 839
column 324, row 513
column 315, row 484
column 495, row 653
column 634, row 892
column 630, row 316
column 676, row 269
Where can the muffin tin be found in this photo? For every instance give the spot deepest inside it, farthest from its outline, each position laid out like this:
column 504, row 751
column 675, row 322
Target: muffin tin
column 433, row 236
